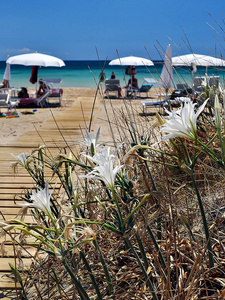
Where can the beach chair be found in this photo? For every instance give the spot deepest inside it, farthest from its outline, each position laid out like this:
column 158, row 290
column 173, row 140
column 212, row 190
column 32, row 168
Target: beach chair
column 145, row 88
column 4, row 100
column 199, row 84
column 153, row 104
column 214, row 83
column 56, row 91
column 111, row 85
column 35, row 102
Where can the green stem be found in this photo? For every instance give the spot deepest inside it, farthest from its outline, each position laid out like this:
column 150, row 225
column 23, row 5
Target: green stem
column 81, row 291
column 117, row 205
column 134, row 210
column 24, row 292
column 156, row 247
column 207, row 149
column 56, row 230
column 37, row 237
column 209, row 246
column 148, row 281
column 18, row 277
column 186, row 152
column 177, row 148
column 107, row 275
column 159, row 227
column 142, row 250
column 91, row 275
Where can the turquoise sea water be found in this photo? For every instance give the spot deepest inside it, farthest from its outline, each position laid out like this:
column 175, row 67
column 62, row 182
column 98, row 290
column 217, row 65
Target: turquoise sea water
column 84, row 73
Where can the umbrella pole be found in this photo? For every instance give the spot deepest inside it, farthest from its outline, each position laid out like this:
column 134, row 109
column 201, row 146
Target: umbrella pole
column 192, row 79
column 131, row 84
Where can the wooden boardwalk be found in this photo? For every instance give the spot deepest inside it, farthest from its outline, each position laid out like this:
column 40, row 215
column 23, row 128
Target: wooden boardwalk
column 69, row 121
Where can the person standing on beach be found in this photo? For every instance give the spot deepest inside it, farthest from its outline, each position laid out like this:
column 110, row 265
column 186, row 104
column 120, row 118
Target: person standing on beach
column 102, row 76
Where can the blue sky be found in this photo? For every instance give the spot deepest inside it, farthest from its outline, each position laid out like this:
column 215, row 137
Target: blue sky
column 72, row 30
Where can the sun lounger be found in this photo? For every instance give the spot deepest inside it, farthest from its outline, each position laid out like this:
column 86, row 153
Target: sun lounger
column 164, row 103
column 56, row 91
column 130, row 92
column 111, row 85
column 4, row 100
column 153, row 104
column 145, row 88
column 35, row 102
column 214, row 83
column 199, row 84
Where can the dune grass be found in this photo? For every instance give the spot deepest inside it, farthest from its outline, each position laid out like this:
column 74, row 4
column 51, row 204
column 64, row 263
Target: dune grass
column 141, row 220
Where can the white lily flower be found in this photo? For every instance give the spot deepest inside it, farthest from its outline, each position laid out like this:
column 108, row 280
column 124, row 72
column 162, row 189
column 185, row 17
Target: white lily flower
column 103, row 167
column 41, row 200
column 183, row 122
column 91, row 141
column 21, row 159
column 101, row 157
column 105, row 172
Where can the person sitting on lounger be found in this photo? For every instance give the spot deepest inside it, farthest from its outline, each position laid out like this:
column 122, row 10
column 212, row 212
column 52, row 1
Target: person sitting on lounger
column 4, row 84
column 42, row 88
column 113, row 76
column 132, row 82
column 23, row 93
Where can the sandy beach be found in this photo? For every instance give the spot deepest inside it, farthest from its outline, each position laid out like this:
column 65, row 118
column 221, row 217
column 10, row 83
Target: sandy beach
column 74, row 99
column 13, row 128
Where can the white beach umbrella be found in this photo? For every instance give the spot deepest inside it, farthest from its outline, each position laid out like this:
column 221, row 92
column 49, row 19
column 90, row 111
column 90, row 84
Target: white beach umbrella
column 131, row 61
column 36, row 59
column 198, row 60
column 7, row 75
column 192, row 60
column 166, row 77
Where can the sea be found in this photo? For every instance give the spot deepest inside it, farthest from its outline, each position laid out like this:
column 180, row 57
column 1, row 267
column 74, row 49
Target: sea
column 85, row 73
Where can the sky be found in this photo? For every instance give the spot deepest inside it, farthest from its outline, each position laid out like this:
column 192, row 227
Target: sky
column 103, row 29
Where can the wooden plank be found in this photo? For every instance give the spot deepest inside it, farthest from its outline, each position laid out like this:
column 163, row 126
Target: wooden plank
column 11, row 203
column 12, row 211
column 19, row 179
column 26, row 251
column 4, row 264
column 30, row 240
column 16, row 190
column 26, row 219
column 69, row 120
column 15, row 180
column 7, row 282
